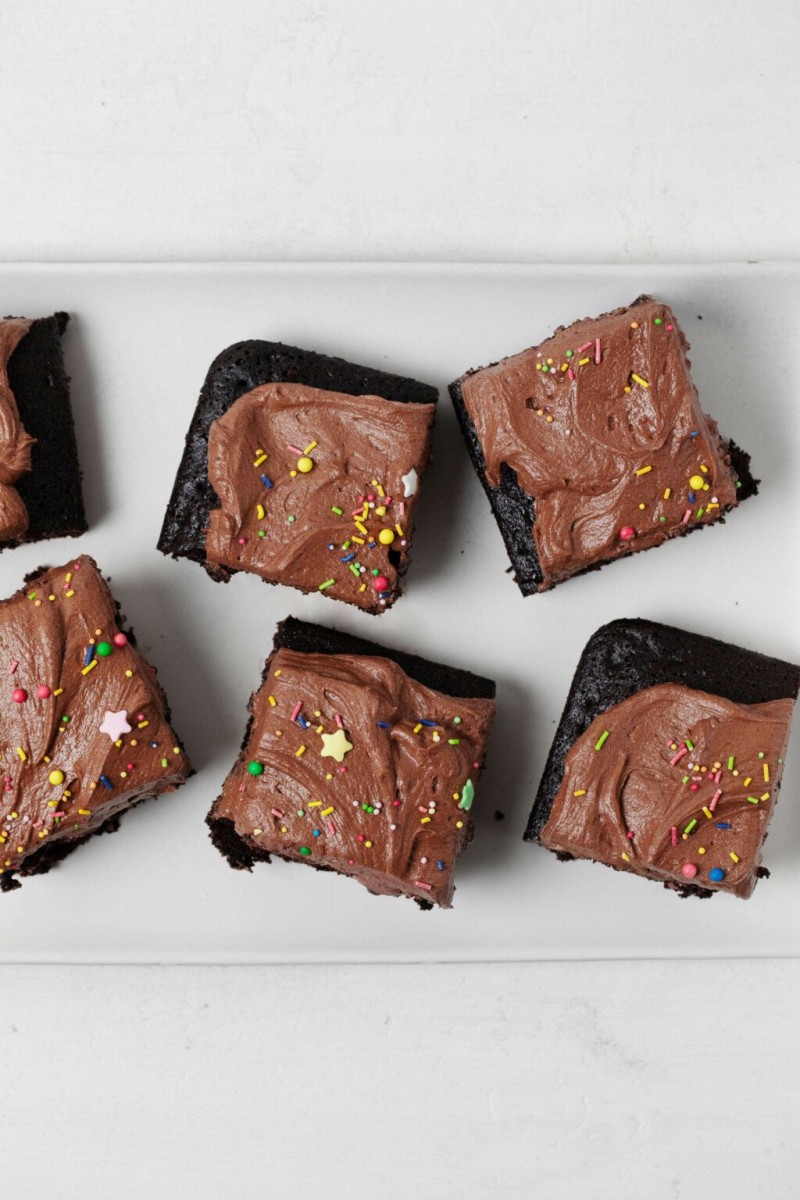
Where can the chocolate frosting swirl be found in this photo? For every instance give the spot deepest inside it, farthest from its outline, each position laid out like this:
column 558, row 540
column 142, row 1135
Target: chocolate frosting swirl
column 310, row 528
column 46, row 634
column 683, row 784
column 15, row 443
column 602, row 425
column 394, row 813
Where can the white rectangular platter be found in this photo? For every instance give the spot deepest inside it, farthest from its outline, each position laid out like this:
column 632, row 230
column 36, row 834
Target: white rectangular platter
column 141, row 340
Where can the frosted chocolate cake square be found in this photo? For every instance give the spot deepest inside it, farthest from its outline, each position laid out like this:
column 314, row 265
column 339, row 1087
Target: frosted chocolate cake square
column 357, row 759
column 668, row 758
column 303, row 469
column 593, row 445
column 84, row 725
column 40, row 479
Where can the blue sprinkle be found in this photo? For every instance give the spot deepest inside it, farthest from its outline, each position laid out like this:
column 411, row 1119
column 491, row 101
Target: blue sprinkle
column 105, row 782
column 384, row 725
column 695, row 433
column 89, row 656
column 302, row 721
column 316, row 833
column 440, row 865
column 267, row 482
column 348, row 557
column 371, row 545
column 723, row 824
column 423, row 722
column 691, row 497
column 717, row 874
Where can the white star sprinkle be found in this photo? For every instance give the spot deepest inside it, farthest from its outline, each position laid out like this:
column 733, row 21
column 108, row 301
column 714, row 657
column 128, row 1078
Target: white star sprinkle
column 409, row 482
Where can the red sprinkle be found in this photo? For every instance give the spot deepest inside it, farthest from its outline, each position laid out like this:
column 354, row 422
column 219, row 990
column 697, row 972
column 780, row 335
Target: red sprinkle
column 627, row 532
column 19, row 695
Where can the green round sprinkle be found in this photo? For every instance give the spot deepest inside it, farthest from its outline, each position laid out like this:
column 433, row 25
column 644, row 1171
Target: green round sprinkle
column 255, row 768
column 291, row 521
column 375, row 571
column 662, row 518
column 304, row 850
column 657, row 321
column 65, row 719
column 300, row 812
column 569, row 354
column 103, row 649
column 456, row 720
column 761, row 754
column 262, row 533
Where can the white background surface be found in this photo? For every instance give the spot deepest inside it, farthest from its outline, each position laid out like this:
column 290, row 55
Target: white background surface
column 576, row 131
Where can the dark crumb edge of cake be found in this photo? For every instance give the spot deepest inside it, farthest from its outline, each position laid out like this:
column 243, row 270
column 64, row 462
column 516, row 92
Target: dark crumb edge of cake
column 306, row 637
column 630, row 655
column 235, row 371
column 51, row 490
column 515, row 511
column 49, row 856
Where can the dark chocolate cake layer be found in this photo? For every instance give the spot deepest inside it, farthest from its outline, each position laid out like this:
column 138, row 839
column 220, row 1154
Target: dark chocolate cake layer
column 51, row 490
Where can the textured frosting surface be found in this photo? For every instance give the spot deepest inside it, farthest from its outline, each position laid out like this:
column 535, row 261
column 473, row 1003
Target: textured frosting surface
column 602, row 425
column 15, row 443
column 674, row 784
column 83, row 727
column 393, row 809
column 318, row 489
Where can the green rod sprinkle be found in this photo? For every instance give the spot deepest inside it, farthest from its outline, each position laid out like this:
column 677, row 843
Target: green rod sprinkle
column 601, row 740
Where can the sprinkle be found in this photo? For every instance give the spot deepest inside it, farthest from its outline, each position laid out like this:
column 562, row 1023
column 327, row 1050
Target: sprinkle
column 348, row 557
column 626, row 856
column 731, row 761
column 674, row 761
column 597, row 350
column 601, row 740
column 687, row 516
column 311, row 446
column 638, row 379
column 294, row 449
column 657, row 321
column 299, row 751
column 84, row 812
column 667, row 493
column 643, row 470
column 748, row 781
column 142, row 724
column 267, row 482
column 314, row 804
column 585, row 346
column 723, row 824
column 688, row 828
column 304, row 850
column 424, row 820
column 106, row 782
column 71, row 592
column 22, row 754
column 89, row 654
column 361, row 528
column 13, row 666
column 417, row 727
column 335, row 509
column 581, row 361
column 296, row 710
column 708, row 813
column 262, row 457
column 700, row 512
column 326, row 812
column 272, row 700
column 715, row 799
column 580, row 792
column 735, row 857
column 674, row 835
column 90, row 667
column 688, row 744
column 421, row 884
column 766, row 773
column 328, row 583
column 454, row 741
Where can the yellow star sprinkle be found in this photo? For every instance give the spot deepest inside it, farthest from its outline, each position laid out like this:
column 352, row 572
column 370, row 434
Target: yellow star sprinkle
column 335, row 745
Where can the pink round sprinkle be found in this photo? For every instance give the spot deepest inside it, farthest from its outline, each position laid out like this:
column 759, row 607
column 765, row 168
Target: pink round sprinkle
column 395, row 804
column 43, row 691
column 689, row 870
column 695, row 786
column 120, row 639
column 670, row 328
column 627, row 532
column 19, row 695
column 380, row 583
column 242, row 541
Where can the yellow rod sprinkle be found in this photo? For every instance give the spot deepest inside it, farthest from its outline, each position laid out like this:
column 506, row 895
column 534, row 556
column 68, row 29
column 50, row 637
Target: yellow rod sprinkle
column 260, row 511
column 22, row 754
column 625, row 856
column 326, row 812
column 314, row 804
column 417, row 728
column 708, row 813
column 641, row 381
column 58, row 691
column 667, row 493
column 90, row 667
column 766, row 773
column 580, row 792
column 273, row 701
column 299, row 751
column 71, row 592
column 735, row 857
column 261, row 458
column 311, row 446
column 643, row 470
